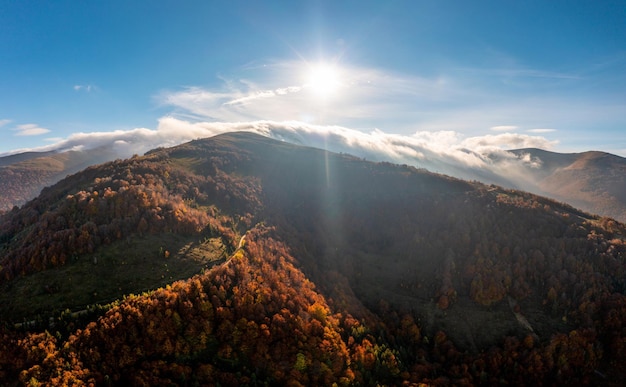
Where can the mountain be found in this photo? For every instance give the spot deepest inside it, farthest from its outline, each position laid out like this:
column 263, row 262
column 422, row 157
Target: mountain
column 596, row 187
column 24, row 175
column 16, row 158
column 593, row 181
column 298, row 266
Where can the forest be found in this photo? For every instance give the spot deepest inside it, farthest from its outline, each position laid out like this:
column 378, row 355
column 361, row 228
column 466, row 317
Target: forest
column 339, row 271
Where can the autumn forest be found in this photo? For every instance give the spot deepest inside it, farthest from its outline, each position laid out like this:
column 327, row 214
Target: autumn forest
column 256, row 262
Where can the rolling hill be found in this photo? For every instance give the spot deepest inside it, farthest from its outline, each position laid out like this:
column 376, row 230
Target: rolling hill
column 594, row 181
column 298, row 266
column 24, row 175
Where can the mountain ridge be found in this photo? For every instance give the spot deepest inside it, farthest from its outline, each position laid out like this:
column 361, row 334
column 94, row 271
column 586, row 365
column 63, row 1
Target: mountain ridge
column 593, row 180
column 24, row 175
column 541, row 175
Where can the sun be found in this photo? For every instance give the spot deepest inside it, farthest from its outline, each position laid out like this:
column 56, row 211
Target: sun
column 323, row 79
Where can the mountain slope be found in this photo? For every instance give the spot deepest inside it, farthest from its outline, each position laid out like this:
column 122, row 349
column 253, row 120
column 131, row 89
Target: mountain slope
column 594, row 181
column 24, row 175
column 596, row 187
column 336, row 270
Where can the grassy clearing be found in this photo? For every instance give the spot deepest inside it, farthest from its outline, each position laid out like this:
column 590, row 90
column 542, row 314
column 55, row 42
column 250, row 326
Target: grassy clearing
column 124, row 267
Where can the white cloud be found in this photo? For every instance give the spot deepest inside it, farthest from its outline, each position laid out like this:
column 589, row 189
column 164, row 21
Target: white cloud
column 437, row 119
column 30, row 130
column 468, row 103
column 4, row 122
column 86, row 88
column 264, row 94
column 287, row 90
column 503, row 128
column 53, row 139
column 480, row 157
column 507, row 141
column 172, row 131
column 364, row 98
column 472, row 103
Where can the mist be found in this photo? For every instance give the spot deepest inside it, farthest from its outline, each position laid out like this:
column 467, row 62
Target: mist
column 483, row 158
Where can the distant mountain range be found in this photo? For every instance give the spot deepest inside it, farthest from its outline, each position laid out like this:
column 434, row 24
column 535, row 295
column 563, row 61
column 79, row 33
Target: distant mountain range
column 242, row 260
column 24, row 175
column 592, row 181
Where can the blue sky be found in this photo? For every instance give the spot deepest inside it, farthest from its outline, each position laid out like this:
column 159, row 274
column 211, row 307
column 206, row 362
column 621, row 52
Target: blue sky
column 504, row 73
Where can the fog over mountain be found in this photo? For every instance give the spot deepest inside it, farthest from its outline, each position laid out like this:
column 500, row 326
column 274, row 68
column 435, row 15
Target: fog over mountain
column 594, row 181
column 444, row 151
column 484, row 158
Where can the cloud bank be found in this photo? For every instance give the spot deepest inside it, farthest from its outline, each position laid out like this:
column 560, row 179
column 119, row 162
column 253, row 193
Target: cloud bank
column 482, row 158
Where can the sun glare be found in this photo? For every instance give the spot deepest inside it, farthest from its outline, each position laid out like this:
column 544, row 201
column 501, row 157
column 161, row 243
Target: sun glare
column 323, row 79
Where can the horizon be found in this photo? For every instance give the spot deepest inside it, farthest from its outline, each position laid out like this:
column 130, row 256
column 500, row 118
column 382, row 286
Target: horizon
column 442, row 75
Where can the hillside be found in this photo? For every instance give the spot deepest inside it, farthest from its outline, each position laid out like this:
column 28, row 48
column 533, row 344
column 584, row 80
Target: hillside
column 24, row 175
column 594, row 181
column 311, row 268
